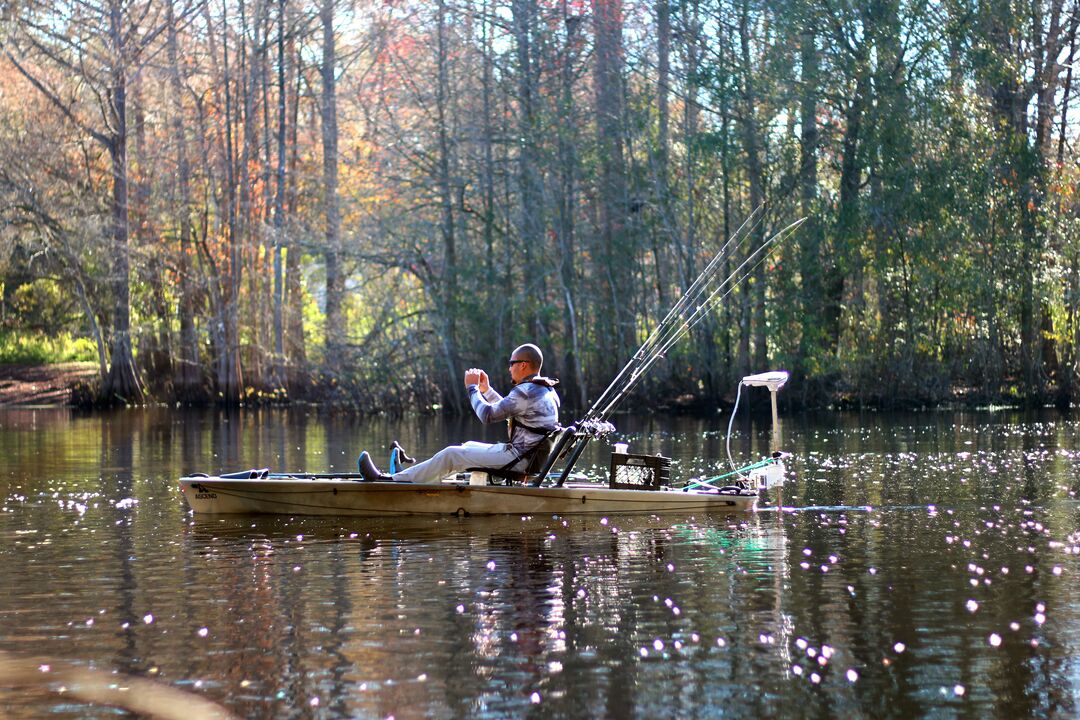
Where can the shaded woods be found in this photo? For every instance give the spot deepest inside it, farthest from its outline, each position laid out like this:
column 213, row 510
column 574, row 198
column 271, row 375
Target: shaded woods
column 351, row 202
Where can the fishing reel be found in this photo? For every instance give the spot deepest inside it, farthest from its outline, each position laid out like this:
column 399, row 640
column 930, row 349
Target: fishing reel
column 594, row 428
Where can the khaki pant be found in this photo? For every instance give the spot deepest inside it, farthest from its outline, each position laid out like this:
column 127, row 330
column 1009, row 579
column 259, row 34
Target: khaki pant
column 455, row 458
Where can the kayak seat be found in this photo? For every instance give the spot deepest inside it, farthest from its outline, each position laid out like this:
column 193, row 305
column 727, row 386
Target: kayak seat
column 540, row 459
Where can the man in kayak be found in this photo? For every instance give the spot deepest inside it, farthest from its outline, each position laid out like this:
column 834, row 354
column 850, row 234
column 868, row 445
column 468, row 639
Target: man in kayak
column 531, row 407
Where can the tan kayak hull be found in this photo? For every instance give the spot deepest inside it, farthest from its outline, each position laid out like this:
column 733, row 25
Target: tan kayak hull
column 290, row 496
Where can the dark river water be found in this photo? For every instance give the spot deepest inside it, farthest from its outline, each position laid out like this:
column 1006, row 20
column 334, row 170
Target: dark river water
column 925, row 565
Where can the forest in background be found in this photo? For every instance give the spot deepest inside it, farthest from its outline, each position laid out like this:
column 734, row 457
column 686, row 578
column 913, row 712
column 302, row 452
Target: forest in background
column 236, row 201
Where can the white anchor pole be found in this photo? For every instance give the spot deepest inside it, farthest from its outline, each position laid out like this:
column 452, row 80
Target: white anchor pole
column 776, row 449
column 775, row 422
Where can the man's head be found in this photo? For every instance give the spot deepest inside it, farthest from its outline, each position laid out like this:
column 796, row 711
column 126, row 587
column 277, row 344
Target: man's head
column 525, row 361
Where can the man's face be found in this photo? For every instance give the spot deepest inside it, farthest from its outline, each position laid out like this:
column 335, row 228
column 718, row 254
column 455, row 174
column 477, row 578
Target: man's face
column 520, row 368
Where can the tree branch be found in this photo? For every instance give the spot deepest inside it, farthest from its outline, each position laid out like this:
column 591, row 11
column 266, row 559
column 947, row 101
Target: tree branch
column 53, row 98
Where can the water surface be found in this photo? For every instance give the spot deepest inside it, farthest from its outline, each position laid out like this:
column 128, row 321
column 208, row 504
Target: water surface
column 925, row 565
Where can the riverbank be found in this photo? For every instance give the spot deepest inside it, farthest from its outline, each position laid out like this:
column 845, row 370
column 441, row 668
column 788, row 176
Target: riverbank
column 23, row 385
column 43, row 384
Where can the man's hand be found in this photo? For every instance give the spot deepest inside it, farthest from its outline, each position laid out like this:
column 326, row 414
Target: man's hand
column 473, row 376
column 485, row 384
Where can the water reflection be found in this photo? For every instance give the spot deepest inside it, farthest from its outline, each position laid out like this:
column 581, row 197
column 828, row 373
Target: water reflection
column 536, row 609
column 925, row 567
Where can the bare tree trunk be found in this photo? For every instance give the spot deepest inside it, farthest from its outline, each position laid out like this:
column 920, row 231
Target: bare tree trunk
column 488, row 173
column 1066, row 92
column 704, row 355
column 567, row 140
column 229, row 378
column 1025, row 171
column 888, row 165
column 123, row 380
column 449, row 295
column 152, row 268
column 267, row 253
column 529, row 182
column 295, row 348
column 1073, row 362
column 1071, row 351
column 1043, row 344
column 250, row 224
column 666, row 235
column 335, row 280
column 95, row 326
column 616, row 254
column 810, row 234
column 753, row 308
column 691, row 32
column 278, row 377
column 1047, row 72
column 848, row 210
column 186, row 384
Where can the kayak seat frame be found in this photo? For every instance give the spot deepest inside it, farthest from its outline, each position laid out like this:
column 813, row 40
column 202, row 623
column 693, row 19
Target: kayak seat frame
column 541, row 459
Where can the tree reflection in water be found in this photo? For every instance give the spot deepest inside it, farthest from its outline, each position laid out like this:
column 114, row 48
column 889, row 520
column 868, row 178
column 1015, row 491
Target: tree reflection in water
column 927, row 568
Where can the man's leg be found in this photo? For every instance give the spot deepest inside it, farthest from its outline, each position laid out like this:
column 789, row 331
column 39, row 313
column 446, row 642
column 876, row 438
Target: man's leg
column 457, row 458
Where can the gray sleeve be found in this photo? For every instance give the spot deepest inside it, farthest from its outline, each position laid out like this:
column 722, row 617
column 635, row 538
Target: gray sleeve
column 501, row 409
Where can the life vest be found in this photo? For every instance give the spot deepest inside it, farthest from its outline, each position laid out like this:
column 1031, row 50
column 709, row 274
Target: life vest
column 512, row 424
column 538, row 452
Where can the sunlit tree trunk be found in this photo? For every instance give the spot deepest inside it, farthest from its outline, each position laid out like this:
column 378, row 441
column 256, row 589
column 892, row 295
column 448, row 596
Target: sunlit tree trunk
column 295, row 346
column 123, row 381
column 279, row 379
column 335, row 279
column 186, row 382
column 1071, row 285
column 229, row 377
column 250, row 225
column 449, row 295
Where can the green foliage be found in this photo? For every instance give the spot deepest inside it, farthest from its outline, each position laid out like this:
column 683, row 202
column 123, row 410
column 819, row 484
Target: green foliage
column 39, row 349
column 42, row 305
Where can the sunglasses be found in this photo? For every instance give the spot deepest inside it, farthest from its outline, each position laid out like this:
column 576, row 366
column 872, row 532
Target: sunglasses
column 515, row 362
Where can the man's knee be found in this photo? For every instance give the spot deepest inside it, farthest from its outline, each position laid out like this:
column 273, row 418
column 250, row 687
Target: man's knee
column 450, row 453
column 449, row 450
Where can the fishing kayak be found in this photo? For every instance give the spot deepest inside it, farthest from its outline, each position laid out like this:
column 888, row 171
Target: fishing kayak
column 329, row 494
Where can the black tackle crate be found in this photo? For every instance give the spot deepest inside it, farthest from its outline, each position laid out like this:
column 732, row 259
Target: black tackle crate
column 639, row 472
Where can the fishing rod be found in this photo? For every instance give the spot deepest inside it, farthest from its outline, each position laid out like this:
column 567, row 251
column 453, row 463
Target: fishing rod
column 669, row 331
column 688, row 298
column 720, row 293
